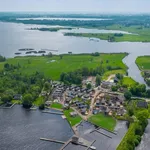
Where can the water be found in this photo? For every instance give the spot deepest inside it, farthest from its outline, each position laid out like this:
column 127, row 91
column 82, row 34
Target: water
column 21, row 129
column 15, row 36
column 145, row 143
column 66, row 19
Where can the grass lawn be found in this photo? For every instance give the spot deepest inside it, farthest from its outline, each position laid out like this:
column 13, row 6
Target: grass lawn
column 1, row 102
column 39, row 101
column 56, row 105
column 52, row 70
column 16, row 101
column 103, row 121
column 72, row 120
column 143, row 62
column 128, row 81
column 108, row 73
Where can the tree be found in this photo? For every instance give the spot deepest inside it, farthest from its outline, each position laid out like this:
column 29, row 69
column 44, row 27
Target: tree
column 127, row 95
column 142, row 115
column 2, row 59
column 5, row 99
column 130, row 112
column 47, row 86
column 50, row 54
column 89, row 86
column 27, row 101
column 98, row 80
column 148, row 93
column 61, row 56
column 114, row 88
column 6, row 66
column 42, row 106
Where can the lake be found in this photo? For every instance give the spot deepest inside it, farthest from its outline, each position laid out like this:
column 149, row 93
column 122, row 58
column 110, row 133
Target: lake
column 16, row 36
column 22, row 129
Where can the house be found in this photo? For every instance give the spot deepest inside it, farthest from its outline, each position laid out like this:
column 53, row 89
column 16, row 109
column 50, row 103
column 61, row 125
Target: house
column 118, row 104
column 73, row 114
column 83, row 111
column 142, row 104
column 107, row 85
column 66, row 106
column 95, row 111
column 43, row 93
column 97, row 102
column 103, row 101
column 116, row 80
column 48, row 103
column 17, row 97
column 107, row 111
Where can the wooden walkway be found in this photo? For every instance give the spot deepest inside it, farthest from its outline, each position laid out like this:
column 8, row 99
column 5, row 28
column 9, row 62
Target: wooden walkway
column 52, row 140
column 62, row 148
column 55, row 113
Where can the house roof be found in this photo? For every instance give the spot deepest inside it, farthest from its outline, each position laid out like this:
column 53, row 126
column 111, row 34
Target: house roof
column 142, row 104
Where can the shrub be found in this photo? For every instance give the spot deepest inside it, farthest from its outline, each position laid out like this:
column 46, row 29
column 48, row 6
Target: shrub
column 138, row 137
column 136, row 142
column 42, row 106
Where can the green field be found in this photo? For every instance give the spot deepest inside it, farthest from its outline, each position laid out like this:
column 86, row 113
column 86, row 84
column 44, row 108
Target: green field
column 56, row 105
column 106, row 36
column 72, row 120
column 128, row 81
column 103, row 121
column 143, row 62
column 30, row 65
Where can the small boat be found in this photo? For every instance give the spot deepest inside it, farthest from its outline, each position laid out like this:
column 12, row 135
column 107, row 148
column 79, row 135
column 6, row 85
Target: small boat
column 17, row 53
column 92, row 147
column 28, row 52
column 26, row 49
column 41, row 51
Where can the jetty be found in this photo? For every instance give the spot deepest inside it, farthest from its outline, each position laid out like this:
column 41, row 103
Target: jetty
column 52, row 140
column 51, row 112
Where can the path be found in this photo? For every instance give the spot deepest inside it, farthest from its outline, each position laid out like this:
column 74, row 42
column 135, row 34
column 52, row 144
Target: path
column 83, row 117
column 110, row 77
column 92, row 103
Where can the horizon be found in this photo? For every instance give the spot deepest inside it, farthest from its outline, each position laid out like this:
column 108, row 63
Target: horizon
column 84, row 6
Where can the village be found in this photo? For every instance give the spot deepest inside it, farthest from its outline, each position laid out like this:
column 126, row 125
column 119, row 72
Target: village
column 86, row 101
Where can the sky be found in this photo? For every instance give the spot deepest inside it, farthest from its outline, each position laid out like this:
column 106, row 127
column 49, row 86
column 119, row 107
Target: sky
column 92, row 6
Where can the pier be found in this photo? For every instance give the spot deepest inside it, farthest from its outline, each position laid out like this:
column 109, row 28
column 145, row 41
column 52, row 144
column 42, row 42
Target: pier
column 55, row 113
column 52, row 140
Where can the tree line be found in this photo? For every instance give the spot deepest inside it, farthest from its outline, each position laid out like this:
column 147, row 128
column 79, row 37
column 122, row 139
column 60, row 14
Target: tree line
column 75, row 77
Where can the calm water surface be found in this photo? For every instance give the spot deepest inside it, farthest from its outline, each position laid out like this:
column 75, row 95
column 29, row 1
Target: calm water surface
column 145, row 143
column 21, row 129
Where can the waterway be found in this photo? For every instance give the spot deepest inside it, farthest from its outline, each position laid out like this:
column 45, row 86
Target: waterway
column 22, row 129
column 15, row 36
column 145, row 143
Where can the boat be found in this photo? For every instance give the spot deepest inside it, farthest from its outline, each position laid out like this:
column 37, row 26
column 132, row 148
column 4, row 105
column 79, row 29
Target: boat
column 17, row 53
column 28, row 52
column 41, row 51
column 92, row 147
column 26, row 49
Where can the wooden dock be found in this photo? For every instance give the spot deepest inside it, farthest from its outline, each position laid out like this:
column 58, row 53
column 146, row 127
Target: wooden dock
column 52, row 140
column 90, row 145
column 55, row 113
column 65, row 144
